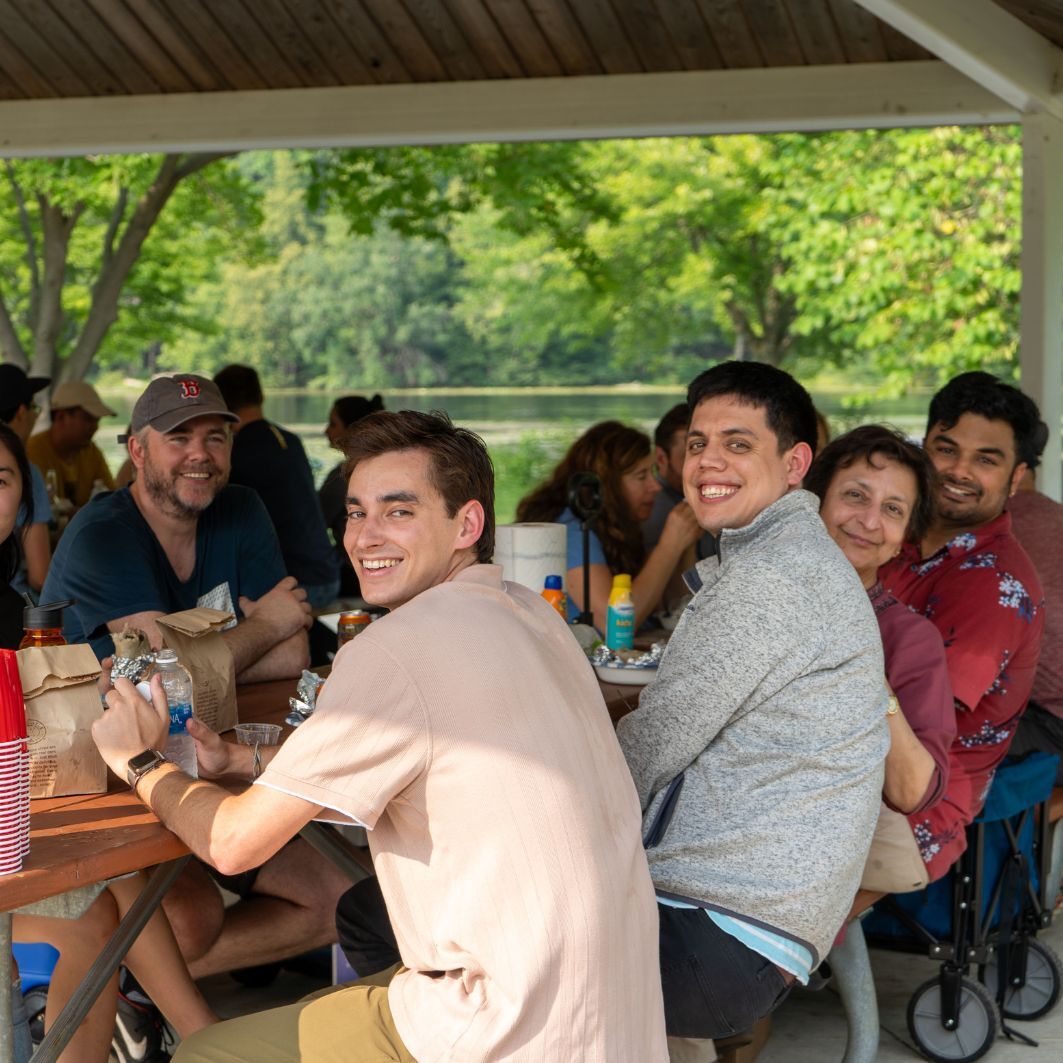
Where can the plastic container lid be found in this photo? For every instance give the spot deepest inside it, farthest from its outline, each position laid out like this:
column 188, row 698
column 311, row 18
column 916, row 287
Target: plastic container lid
column 36, row 617
column 553, row 583
column 622, row 579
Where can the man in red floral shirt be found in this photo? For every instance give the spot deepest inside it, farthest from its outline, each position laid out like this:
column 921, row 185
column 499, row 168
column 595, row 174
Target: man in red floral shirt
column 973, row 580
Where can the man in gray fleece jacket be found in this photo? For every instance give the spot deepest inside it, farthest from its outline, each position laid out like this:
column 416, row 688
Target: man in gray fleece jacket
column 758, row 750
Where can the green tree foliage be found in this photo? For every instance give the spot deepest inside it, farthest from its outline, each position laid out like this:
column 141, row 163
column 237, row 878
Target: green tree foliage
column 906, row 254
column 538, row 187
column 889, row 256
column 325, row 308
column 78, row 272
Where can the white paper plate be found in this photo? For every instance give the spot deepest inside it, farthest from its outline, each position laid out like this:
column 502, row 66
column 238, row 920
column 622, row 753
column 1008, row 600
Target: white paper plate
column 627, row 677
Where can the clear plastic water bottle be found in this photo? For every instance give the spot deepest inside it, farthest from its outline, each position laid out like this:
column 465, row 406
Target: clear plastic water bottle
column 177, row 683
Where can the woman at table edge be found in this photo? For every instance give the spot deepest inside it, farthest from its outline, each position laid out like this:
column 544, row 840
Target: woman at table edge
column 153, row 958
column 875, row 491
column 622, row 459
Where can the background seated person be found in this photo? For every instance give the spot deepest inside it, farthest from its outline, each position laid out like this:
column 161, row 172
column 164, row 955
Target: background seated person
column 1037, row 522
column 622, row 460
column 332, row 494
column 272, row 462
column 153, row 958
column 875, row 490
column 19, row 410
column 66, row 448
column 180, row 537
column 669, row 453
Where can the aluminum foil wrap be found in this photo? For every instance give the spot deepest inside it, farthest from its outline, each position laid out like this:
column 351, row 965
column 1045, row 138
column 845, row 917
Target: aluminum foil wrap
column 627, row 658
column 133, row 657
column 305, row 702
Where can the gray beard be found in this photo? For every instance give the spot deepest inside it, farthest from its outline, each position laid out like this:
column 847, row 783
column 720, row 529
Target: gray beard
column 164, row 495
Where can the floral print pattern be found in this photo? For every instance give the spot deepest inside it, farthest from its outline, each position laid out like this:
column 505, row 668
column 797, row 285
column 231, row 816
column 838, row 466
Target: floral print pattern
column 981, row 592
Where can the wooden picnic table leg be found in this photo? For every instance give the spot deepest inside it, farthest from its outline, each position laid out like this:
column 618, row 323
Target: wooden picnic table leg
column 108, row 961
column 7, row 1034
column 334, row 846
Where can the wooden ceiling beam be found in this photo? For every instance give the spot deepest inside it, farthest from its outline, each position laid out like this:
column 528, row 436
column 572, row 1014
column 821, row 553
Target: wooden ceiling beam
column 982, row 40
column 881, row 95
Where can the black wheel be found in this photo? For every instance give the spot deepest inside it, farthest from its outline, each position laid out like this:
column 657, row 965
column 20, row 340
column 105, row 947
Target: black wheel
column 1039, row 993
column 36, row 999
column 974, row 1033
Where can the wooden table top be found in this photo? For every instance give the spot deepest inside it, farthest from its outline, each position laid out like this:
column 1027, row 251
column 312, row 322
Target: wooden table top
column 86, row 838
column 78, row 840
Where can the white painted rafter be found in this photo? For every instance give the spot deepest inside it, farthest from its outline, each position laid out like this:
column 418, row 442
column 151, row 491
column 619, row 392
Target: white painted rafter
column 871, row 95
column 985, row 42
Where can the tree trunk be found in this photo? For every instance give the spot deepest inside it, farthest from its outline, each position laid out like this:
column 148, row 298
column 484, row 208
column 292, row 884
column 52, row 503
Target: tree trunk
column 11, row 349
column 115, row 269
column 56, row 227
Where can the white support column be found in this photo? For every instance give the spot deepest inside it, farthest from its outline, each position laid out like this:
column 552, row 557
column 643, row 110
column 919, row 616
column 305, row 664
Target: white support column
column 1041, row 329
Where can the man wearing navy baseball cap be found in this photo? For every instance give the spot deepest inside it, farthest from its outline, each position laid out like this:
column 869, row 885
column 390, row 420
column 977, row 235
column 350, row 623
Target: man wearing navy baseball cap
column 180, row 537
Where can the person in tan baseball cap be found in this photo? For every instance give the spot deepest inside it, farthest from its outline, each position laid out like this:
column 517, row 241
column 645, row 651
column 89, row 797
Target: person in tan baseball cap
column 66, row 447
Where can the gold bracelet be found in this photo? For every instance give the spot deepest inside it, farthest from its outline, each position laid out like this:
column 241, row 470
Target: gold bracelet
column 256, row 763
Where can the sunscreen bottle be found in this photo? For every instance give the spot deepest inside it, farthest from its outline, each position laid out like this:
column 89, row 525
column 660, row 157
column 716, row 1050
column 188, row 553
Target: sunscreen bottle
column 620, row 620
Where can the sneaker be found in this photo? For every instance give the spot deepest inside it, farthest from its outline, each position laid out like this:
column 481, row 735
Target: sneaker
column 140, row 1034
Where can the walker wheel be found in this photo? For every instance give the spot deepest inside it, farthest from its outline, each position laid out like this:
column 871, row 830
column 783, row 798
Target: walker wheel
column 1040, row 990
column 36, row 1000
column 974, row 1033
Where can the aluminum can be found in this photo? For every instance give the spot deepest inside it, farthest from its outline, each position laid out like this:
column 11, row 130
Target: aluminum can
column 350, row 624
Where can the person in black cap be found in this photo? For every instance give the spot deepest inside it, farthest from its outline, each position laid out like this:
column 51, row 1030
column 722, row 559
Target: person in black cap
column 19, row 410
column 272, row 462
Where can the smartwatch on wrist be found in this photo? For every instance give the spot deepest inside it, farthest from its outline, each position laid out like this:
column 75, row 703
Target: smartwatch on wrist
column 139, row 766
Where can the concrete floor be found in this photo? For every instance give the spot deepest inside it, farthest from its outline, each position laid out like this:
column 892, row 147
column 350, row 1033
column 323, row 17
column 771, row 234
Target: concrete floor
column 808, row 1028
column 811, row 1027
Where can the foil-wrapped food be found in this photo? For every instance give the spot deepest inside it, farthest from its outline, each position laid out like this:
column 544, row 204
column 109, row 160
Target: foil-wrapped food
column 305, row 702
column 133, row 655
column 650, row 658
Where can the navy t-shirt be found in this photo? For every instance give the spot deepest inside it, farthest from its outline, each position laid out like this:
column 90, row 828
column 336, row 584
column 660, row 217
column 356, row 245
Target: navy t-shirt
column 271, row 460
column 110, row 562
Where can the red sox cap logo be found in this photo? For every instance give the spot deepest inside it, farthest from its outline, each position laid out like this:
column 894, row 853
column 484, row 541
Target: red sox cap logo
column 189, row 389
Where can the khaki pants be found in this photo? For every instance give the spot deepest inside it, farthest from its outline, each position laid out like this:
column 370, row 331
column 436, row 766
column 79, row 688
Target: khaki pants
column 347, row 1024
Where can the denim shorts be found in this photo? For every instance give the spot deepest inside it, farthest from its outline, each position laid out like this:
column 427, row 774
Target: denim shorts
column 714, row 986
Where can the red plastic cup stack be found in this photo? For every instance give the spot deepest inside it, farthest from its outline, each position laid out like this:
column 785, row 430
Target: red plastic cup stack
column 14, row 768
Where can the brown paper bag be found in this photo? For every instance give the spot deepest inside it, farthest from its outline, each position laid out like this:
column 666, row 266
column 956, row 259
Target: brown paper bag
column 195, row 636
column 59, row 685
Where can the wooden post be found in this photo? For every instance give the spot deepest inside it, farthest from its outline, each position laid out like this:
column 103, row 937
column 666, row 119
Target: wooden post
column 1041, row 328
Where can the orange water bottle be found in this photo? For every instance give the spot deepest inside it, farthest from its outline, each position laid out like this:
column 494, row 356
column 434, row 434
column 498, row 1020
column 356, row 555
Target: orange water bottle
column 554, row 594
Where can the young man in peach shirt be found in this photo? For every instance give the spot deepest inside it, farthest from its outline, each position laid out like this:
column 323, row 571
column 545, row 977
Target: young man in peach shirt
column 467, row 732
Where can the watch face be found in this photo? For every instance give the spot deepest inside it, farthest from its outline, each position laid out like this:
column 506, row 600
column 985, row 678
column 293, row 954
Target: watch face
column 143, row 760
